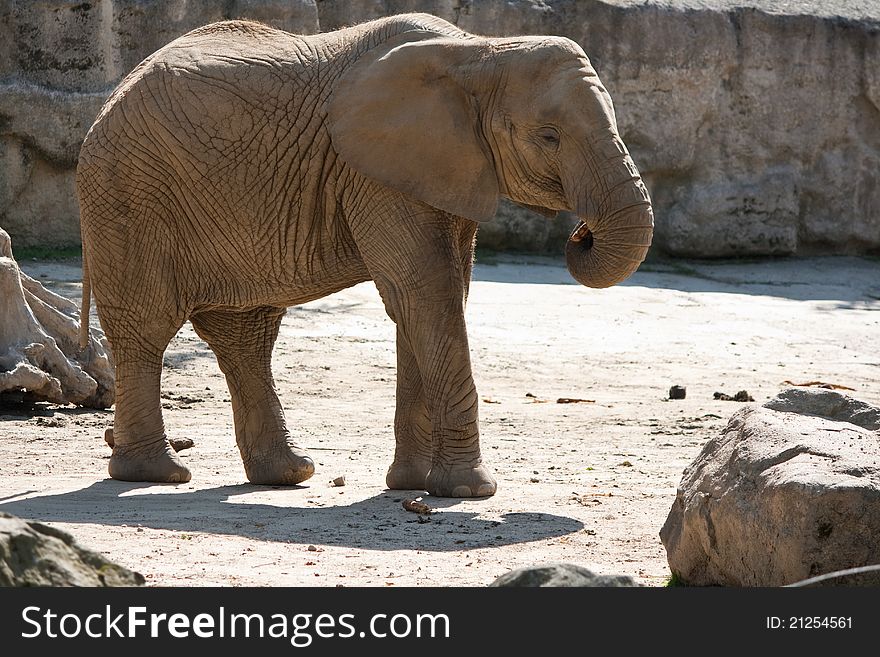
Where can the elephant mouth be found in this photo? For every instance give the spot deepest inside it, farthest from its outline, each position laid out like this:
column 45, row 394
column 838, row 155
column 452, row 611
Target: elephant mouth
column 581, row 233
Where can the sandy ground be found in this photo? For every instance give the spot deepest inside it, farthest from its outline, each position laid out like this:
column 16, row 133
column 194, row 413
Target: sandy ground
column 589, row 483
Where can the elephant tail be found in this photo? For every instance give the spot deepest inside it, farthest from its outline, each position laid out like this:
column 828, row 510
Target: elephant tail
column 86, row 303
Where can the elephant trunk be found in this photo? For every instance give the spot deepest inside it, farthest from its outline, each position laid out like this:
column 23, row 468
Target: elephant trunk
column 613, row 237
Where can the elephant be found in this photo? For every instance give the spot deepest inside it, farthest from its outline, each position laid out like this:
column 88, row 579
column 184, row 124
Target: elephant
column 241, row 170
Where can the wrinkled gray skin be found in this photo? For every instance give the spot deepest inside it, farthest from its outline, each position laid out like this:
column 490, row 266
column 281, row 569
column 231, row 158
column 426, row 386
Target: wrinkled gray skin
column 241, row 170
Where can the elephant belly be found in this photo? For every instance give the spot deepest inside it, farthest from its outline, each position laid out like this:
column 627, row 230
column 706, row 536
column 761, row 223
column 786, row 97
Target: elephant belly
column 267, row 275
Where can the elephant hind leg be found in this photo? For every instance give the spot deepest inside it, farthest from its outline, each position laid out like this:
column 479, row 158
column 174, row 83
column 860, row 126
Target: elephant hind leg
column 141, row 451
column 242, row 342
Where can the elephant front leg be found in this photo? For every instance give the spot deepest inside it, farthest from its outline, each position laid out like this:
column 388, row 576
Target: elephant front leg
column 242, row 342
column 431, row 323
column 457, row 468
column 412, row 425
column 420, row 268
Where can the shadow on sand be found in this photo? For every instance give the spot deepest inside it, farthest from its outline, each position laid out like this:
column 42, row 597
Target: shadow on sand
column 377, row 523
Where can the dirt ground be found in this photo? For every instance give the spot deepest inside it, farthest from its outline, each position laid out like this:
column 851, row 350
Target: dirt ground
column 589, row 482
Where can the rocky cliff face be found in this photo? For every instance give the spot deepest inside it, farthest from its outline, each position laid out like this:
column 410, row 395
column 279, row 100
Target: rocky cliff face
column 59, row 60
column 756, row 123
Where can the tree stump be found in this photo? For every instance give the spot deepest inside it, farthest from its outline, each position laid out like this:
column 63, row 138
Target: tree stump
column 40, row 358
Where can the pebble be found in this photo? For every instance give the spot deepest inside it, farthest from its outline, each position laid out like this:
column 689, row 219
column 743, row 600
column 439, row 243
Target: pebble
column 677, row 392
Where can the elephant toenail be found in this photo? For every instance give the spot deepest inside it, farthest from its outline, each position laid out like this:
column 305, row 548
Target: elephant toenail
column 461, row 491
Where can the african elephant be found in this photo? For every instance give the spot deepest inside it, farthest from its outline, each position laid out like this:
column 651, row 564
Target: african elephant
column 240, row 170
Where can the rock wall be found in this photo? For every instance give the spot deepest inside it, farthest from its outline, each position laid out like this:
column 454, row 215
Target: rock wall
column 59, row 60
column 756, row 123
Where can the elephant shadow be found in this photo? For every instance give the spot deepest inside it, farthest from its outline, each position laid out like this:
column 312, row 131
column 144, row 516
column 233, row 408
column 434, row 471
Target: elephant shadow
column 376, row 523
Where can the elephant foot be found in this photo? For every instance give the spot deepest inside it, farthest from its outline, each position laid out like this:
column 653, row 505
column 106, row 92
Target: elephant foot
column 154, row 461
column 177, row 444
column 281, row 465
column 460, row 481
column 408, row 474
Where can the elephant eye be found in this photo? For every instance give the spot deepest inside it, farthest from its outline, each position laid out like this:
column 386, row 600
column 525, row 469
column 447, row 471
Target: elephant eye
column 548, row 135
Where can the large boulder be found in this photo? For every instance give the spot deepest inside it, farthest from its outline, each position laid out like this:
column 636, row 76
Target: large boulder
column 828, row 404
column 561, row 574
column 33, row 554
column 787, row 492
column 862, row 576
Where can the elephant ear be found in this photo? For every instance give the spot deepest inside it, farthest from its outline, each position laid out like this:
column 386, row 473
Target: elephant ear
column 402, row 116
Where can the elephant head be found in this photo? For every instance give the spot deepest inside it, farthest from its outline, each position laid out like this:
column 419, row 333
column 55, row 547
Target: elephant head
column 458, row 122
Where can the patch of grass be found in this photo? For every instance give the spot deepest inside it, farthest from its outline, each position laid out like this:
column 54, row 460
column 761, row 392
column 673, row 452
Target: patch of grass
column 674, row 580
column 512, row 257
column 688, row 266
column 47, row 253
column 745, row 259
column 668, row 267
column 677, row 267
column 485, row 256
